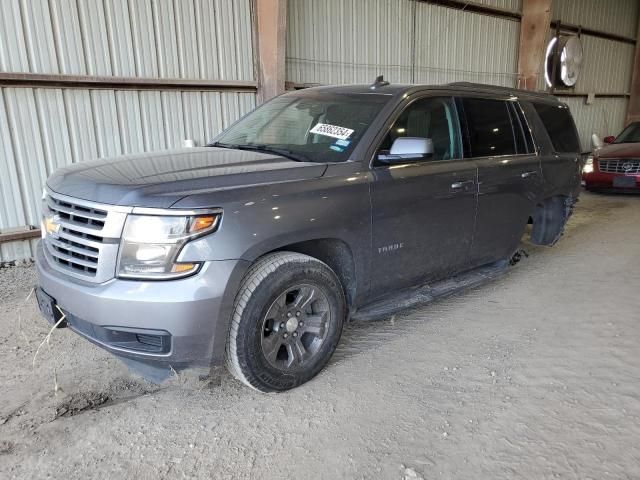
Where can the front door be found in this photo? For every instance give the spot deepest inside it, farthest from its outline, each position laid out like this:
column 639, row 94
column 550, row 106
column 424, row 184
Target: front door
column 423, row 207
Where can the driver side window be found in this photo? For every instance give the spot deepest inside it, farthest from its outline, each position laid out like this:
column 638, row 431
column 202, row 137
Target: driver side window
column 433, row 124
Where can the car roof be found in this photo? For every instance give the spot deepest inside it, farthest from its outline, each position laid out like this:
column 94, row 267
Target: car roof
column 398, row 89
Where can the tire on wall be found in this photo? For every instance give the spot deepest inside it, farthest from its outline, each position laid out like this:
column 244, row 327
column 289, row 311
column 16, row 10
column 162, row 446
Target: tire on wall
column 287, row 320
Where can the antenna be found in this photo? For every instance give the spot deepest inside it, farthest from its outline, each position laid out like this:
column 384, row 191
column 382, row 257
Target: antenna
column 380, row 82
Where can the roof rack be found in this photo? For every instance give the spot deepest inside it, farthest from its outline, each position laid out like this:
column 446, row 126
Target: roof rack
column 494, row 88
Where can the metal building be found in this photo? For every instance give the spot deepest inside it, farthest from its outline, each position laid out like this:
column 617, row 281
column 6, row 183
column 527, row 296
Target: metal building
column 86, row 78
column 434, row 42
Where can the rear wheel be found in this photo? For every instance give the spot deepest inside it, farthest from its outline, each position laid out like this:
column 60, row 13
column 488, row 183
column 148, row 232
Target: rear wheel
column 287, row 320
column 549, row 220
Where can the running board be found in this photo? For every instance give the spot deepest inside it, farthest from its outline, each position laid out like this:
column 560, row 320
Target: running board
column 424, row 294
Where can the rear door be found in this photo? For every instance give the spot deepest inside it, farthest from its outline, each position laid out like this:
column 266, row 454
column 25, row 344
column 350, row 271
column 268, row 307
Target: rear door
column 423, row 209
column 560, row 164
column 509, row 175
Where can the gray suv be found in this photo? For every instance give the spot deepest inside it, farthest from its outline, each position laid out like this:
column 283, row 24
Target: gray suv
column 321, row 205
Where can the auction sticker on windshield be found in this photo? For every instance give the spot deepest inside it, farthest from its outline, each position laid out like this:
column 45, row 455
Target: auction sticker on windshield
column 333, row 131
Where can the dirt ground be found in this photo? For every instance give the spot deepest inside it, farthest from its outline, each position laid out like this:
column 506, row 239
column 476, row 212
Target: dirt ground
column 536, row 375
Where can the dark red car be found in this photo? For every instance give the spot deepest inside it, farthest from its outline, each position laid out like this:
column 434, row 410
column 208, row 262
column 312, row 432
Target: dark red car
column 615, row 166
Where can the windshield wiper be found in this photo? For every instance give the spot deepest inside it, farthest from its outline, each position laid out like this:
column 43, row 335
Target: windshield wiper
column 283, row 152
column 221, row 145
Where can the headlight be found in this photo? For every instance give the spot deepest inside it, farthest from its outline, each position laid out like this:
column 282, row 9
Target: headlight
column 588, row 165
column 151, row 244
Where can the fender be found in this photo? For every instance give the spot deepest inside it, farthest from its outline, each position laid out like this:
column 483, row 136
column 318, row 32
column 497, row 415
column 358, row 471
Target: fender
column 261, row 219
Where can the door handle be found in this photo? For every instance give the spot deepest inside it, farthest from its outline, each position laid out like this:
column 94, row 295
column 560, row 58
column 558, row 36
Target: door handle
column 460, row 184
column 529, row 174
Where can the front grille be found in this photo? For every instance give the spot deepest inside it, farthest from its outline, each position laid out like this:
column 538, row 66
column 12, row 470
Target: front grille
column 628, row 166
column 78, row 214
column 84, row 239
column 72, row 246
column 75, row 255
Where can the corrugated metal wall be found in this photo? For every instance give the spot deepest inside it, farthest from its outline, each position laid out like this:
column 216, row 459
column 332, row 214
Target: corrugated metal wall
column 42, row 129
column 359, row 39
column 195, row 39
column 348, row 41
column 605, row 117
column 454, row 45
column 352, row 41
column 613, row 16
column 607, row 69
column 607, row 64
column 512, row 5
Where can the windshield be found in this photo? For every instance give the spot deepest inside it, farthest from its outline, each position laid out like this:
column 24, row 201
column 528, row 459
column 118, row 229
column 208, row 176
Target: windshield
column 631, row 134
column 312, row 126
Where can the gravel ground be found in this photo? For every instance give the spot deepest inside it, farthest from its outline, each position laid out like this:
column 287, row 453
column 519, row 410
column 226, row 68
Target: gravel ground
column 536, row 375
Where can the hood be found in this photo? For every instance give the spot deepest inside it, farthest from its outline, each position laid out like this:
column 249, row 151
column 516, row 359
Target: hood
column 160, row 179
column 619, row 150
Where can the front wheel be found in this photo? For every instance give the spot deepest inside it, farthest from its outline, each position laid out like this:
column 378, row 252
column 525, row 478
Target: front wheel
column 287, row 321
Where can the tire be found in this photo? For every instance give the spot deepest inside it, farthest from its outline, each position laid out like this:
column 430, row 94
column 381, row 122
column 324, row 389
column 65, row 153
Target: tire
column 278, row 294
column 550, row 219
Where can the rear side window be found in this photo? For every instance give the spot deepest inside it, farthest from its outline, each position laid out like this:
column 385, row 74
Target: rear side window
column 560, row 127
column 489, row 126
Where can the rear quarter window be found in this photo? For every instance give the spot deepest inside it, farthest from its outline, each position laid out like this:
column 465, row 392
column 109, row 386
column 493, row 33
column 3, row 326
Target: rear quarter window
column 559, row 125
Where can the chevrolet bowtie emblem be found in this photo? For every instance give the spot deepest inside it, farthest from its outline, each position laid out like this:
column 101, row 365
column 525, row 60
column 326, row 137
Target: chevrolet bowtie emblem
column 51, row 225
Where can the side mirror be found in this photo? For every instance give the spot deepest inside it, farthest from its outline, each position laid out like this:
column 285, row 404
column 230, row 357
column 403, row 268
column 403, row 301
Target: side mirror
column 412, row 147
column 609, row 139
column 596, row 142
column 407, row 148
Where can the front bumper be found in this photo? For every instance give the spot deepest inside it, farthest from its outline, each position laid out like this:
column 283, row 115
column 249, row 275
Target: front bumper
column 597, row 180
column 180, row 322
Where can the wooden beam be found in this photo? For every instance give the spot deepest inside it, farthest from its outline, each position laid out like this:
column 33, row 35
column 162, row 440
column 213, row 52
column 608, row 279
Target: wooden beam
column 633, row 109
column 534, row 30
column 121, row 83
column 16, row 235
column 271, row 40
